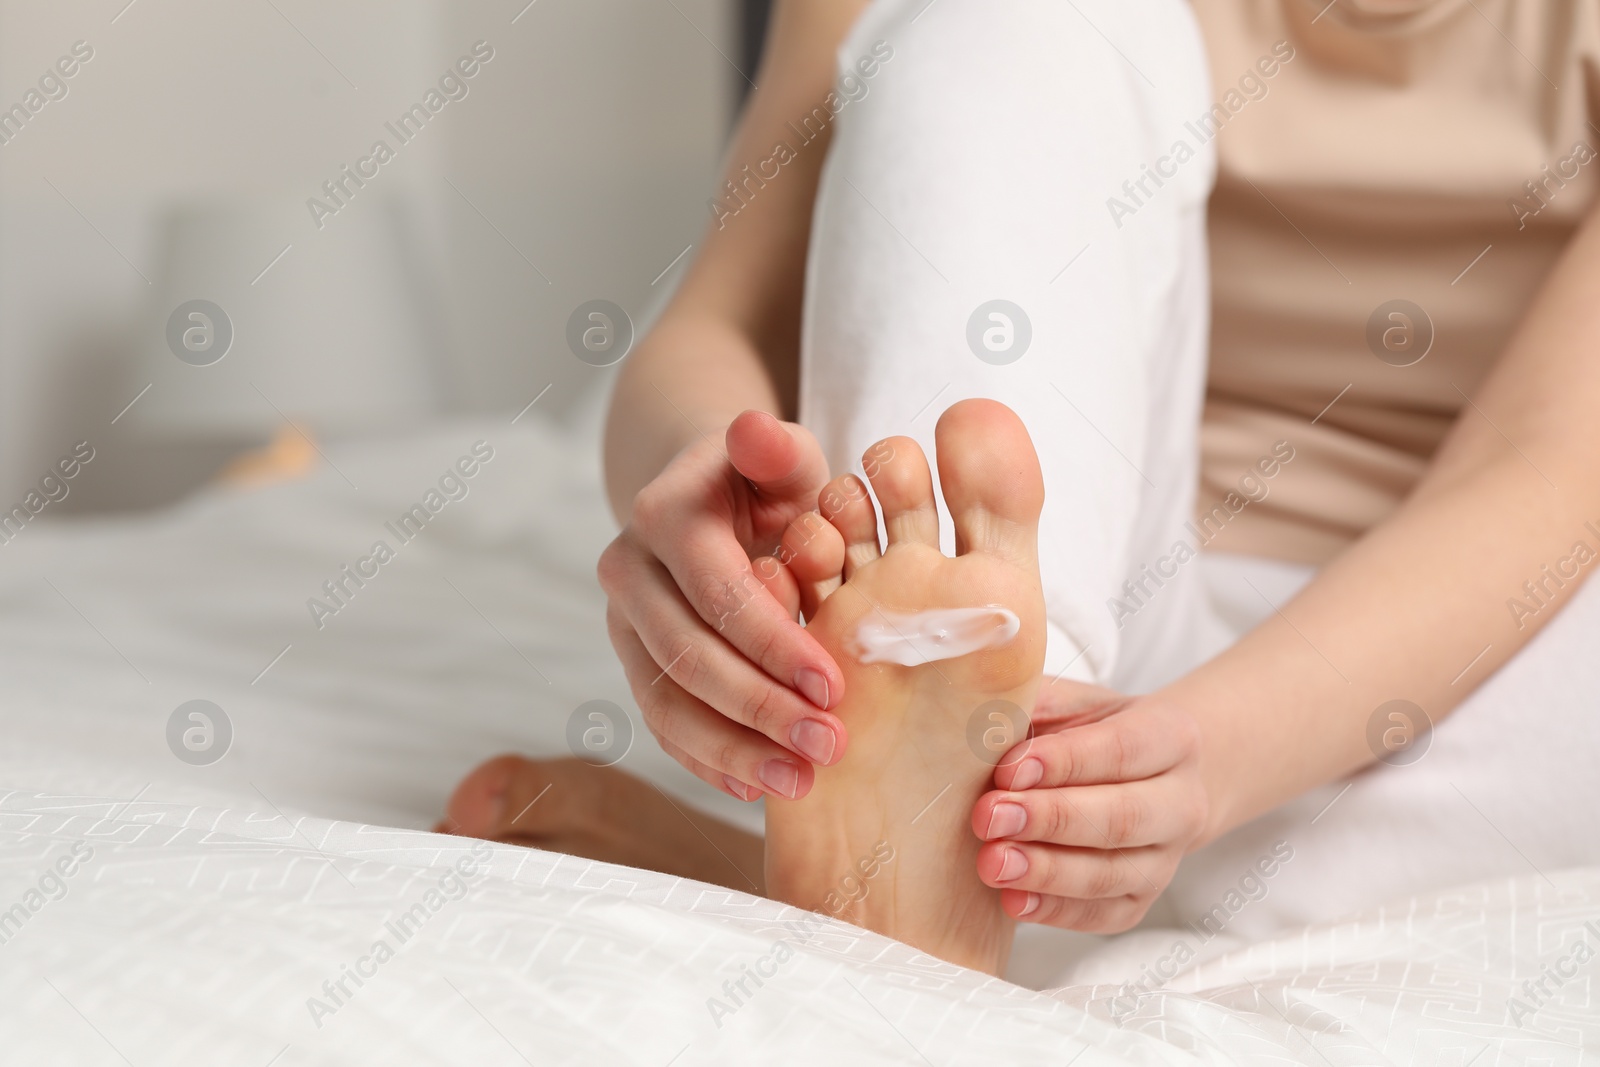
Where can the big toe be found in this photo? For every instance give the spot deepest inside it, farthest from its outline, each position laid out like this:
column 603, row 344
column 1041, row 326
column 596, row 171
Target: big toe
column 477, row 807
column 990, row 475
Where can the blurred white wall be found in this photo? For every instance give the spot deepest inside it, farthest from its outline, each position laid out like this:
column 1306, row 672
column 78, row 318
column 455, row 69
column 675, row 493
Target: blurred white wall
column 577, row 166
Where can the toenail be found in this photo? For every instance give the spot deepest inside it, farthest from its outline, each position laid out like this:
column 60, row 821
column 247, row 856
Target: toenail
column 780, row 776
column 813, row 685
column 813, row 740
column 494, row 802
column 1030, row 772
column 739, row 789
column 1029, row 906
column 1006, row 820
column 1013, row 866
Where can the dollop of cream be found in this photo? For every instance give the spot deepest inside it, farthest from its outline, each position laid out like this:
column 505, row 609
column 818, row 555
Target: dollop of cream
column 911, row 639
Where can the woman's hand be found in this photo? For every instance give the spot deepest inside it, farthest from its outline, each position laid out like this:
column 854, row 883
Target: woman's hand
column 1094, row 811
column 730, row 684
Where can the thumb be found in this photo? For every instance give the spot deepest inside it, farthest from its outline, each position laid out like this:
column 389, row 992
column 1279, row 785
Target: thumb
column 1065, row 703
column 779, row 459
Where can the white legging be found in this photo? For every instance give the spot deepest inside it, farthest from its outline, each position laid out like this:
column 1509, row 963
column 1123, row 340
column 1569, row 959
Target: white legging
column 975, row 164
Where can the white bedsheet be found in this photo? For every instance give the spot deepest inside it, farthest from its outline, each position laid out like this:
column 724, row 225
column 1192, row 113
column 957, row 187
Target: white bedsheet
column 199, row 934
column 215, row 905
column 482, row 635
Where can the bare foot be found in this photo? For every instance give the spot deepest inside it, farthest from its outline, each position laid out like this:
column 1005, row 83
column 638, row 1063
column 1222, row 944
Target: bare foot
column 600, row 813
column 884, row 839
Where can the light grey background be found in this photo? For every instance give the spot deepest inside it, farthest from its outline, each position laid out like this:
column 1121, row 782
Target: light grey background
column 589, row 144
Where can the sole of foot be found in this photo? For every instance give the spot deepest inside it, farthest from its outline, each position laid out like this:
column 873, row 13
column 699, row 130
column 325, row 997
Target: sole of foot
column 884, row 838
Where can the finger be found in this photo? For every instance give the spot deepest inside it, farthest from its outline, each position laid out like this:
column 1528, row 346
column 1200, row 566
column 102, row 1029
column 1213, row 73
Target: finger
column 779, row 459
column 703, row 664
column 903, row 485
column 688, row 519
column 709, row 774
column 706, row 667
column 710, row 568
column 1109, row 915
column 848, row 506
column 1139, row 743
column 667, row 703
column 1155, row 811
column 1084, row 873
column 717, row 745
column 779, row 581
column 1064, row 702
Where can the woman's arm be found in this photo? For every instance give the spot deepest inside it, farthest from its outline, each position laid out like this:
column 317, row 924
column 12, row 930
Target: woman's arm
column 1404, row 610
column 730, row 339
column 728, row 682
column 1115, row 782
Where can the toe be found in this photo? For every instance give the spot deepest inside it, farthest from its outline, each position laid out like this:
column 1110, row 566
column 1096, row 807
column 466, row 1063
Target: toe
column 478, row 804
column 903, row 485
column 990, row 476
column 847, row 505
column 813, row 551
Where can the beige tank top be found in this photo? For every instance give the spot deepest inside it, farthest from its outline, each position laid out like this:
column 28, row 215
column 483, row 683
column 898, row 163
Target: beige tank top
column 1388, row 202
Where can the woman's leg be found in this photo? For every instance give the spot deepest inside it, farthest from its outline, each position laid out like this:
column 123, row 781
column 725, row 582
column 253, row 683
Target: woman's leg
column 963, row 247
column 1010, row 152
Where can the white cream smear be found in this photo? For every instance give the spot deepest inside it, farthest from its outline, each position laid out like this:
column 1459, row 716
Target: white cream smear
column 911, row 639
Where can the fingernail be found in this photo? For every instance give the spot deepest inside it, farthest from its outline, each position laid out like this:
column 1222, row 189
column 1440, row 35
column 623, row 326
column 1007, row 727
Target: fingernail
column 1014, row 866
column 1029, row 906
column 813, row 686
column 1030, row 772
column 1006, row 820
column 739, row 789
column 780, row 776
column 813, row 740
